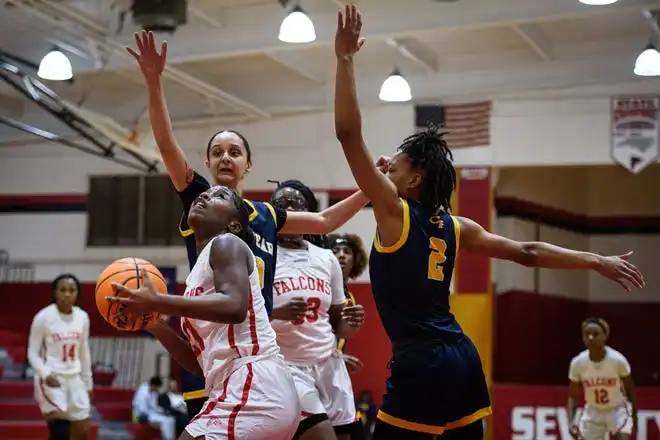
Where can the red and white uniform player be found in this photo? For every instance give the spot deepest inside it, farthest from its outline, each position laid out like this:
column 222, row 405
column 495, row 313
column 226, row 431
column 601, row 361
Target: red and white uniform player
column 58, row 346
column 607, row 409
column 251, row 394
column 309, row 345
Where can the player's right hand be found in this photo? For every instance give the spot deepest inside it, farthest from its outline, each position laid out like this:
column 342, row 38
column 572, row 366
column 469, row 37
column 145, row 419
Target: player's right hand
column 52, row 381
column 347, row 38
column 575, row 432
column 618, row 268
column 294, row 310
column 151, row 62
column 383, row 164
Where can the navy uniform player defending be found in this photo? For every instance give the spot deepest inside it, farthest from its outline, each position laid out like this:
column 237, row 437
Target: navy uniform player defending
column 436, row 388
column 229, row 160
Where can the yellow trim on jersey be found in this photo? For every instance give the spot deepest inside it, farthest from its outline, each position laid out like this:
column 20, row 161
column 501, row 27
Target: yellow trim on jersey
column 184, row 232
column 272, row 212
column 254, row 212
column 341, row 342
column 192, row 395
column 433, row 429
column 405, row 230
column 457, row 233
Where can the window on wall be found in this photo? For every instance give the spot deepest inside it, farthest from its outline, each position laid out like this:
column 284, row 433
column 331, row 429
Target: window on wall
column 133, row 211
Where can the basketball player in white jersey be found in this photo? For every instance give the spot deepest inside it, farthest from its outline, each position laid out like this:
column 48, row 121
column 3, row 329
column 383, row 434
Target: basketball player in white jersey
column 251, row 394
column 58, row 351
column 604, row 375
column 309, row 312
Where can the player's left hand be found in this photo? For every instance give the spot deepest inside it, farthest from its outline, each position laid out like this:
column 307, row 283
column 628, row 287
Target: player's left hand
column 353, row 364
column 353, row 315
column 137, row 301
column 383, row 164
column 618, row 268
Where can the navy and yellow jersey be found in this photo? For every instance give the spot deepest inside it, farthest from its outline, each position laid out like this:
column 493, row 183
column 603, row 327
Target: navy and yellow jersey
column 411, row 279
column 265, row 222
column 341, row 342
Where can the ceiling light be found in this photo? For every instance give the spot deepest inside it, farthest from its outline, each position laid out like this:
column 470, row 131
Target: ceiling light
column 648, row 62
column 297, row 27
column 55, row 66
column 395, row 88
column 598, row 2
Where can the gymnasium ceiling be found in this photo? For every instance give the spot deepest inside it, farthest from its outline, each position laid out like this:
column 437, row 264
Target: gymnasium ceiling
column 228, row 63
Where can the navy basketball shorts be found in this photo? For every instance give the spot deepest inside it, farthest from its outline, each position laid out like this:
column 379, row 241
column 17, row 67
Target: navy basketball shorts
column 436, row 386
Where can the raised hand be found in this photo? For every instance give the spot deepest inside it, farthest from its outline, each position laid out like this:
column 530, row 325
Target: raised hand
column 618, row 268
column 347, row 38
column 383, row 164
column 151, row 62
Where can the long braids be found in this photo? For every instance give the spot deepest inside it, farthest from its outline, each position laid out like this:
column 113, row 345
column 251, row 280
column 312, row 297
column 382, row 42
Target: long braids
column 428, row 151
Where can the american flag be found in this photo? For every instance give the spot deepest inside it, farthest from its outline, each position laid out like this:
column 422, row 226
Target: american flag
column 467, row 125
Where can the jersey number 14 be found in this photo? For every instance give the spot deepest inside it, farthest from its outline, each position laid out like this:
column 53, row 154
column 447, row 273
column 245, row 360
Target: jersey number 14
column 68, row 353
column 437, row 257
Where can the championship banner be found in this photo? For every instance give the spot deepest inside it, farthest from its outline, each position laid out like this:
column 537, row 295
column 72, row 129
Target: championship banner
column 522, row 412
column 635, row 131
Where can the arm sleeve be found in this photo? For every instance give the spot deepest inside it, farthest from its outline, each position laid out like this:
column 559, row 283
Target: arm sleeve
column 279, row 215
column 35, row 342
column 623, row 367
column 336, row 281
column 197, row 186
column 574, row 371
column 86, row 357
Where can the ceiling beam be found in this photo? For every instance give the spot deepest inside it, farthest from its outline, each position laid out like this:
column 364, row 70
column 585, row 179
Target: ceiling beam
column 392, row 20
column 534, row 38
column 415, row 52
column 296, row 64
column 96, row 32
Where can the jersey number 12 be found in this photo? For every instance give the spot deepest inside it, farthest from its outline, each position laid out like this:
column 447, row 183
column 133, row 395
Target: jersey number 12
column 437, row 257
column 601, row 396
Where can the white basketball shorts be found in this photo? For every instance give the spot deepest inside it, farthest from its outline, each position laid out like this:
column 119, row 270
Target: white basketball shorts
column 325, row 388
column 257, row 401
column 596, row 422
column 70, row 399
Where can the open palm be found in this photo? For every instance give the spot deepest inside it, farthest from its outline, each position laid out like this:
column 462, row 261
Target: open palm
column 151, row 62
column 347, row 38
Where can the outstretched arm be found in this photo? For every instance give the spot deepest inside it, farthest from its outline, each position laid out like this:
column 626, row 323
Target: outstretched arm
column 152, row 65
column 327, row 221
column 476, row 239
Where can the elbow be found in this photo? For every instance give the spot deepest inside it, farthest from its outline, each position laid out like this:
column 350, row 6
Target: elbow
column 527, row 255
column 236, row 315
column 346, row 134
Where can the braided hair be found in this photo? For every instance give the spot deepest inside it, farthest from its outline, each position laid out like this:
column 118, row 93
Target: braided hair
column 312, row 206
column 428, row 151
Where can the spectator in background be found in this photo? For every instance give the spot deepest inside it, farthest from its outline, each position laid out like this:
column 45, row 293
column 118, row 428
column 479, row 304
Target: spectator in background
column 366, row 412
column 173, row 404
column 349, row 250
column 146, row 409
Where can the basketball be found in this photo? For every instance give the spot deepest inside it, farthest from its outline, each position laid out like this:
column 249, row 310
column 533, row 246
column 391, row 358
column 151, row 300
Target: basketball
column 126, row 271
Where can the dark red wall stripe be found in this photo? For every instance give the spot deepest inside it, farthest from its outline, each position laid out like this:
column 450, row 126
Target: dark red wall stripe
column 536, row 212
column 43, row 203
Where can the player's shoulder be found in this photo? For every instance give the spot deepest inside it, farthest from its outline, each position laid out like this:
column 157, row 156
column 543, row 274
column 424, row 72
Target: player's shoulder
column 81, row 313
column 581, row 358
column 615, row 355
column 325, row 254
column 44, row 313
column 229, row 246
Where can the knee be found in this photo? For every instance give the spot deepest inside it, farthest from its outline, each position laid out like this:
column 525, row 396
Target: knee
column 59, row 429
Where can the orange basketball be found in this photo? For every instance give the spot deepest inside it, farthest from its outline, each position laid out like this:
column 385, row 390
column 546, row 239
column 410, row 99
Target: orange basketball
column 126, row 271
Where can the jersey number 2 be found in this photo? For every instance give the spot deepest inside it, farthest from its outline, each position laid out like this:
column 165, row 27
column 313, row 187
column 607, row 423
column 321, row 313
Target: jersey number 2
column 436, row 259
column 68, row 353
column 313, row 305
column 601, row 396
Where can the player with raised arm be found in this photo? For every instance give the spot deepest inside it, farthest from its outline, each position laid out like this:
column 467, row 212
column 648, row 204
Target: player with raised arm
column 309, row 313
column 58, row 351
column 436, row 386
column 232, row 344
column 229, row 160
column 604, row 375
